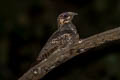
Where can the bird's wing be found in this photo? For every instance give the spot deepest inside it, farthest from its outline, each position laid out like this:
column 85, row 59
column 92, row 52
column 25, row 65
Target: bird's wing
column 59, row 39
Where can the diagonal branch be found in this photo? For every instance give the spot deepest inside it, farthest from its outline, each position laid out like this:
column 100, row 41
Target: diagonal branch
column 41, row 69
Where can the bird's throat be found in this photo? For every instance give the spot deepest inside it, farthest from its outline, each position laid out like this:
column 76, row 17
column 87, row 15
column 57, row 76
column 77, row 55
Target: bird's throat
column 61, row 22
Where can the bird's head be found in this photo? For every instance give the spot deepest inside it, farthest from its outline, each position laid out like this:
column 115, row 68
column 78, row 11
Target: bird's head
column 65, row 17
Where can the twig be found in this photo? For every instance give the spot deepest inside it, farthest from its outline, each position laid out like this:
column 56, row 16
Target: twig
column 41, row 69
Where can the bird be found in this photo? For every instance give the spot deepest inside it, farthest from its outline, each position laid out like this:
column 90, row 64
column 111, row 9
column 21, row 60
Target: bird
column 64, row 37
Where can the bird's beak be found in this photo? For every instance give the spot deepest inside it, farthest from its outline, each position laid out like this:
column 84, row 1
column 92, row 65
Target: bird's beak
column 75, row 13
column 72, row 13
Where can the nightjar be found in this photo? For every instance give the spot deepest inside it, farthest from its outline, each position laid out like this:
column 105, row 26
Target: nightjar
column 65, row 36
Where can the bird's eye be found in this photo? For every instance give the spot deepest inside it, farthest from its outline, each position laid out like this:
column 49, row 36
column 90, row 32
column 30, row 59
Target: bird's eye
column 65, row 15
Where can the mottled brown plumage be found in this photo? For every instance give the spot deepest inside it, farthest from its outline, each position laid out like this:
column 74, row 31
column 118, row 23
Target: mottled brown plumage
column 63, row 38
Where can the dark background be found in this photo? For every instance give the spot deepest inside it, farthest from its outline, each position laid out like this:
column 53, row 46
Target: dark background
column 25, row 26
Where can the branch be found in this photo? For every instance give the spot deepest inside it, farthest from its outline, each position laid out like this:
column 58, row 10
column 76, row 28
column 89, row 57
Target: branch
column 41, row 69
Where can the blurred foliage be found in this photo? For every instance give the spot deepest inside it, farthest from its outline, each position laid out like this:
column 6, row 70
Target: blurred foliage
column 25, row 26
